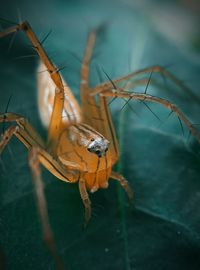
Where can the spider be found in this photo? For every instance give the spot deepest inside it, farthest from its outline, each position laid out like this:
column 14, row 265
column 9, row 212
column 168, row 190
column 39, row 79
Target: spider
column 82, row 146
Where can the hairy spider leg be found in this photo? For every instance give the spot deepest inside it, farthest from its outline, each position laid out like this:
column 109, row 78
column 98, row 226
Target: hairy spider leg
column 146, row 97
column 37, row 154
column 152, row 69
column 94, row 114
column 97, row 114
column 60, row 92
column 22, row 132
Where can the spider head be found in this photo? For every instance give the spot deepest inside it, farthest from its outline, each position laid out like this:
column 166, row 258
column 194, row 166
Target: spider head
column 85, row 136
column 98, row 146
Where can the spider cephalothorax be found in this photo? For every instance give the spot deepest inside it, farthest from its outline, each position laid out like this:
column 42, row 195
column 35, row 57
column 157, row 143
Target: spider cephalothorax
column 98, row 146
column 86, row 136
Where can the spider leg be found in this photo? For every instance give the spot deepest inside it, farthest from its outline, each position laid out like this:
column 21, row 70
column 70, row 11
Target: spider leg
column 86, row 200
column 124, row 184
column 38, row 155
column 34, row 165
column 42, row 206
column 56, row 116
column 96, row 115
column 90, row 109
column 86, row 62
column 152, row 69
column 23, row 127
column 6, row 136
column 164, row 102
column 107, row 128
column 28, row 136
column 26, row 28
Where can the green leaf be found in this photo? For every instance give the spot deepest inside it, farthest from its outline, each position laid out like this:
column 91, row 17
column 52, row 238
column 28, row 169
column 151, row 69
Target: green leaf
column 162, row 166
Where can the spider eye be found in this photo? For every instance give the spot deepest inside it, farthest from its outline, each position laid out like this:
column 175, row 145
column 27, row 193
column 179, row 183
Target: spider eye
column 92, row 140
column 98, row 152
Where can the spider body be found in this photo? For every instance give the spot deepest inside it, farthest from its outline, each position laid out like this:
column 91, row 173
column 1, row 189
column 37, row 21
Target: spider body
column 79, row 145
column 82, row 145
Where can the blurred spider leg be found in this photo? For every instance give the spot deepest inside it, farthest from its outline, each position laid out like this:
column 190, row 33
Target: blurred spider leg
column 128, row 84
column 86, row 200
column 154, row 69
column 141, row 82
column 55, row 122
column 86, row 61
column 89, row 106
column 163, row 102
column 37, row 156
column 20, row 133
column 56, row 118
column 124, row 184
column 23, row 124
column 6, row 136
column 34, row 163
column 26, row 134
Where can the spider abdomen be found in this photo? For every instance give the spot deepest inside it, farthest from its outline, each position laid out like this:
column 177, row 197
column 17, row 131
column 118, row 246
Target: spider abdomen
column 46, row 92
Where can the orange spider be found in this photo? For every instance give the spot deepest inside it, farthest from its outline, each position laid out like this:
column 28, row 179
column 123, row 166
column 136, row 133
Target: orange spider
column 82, row 145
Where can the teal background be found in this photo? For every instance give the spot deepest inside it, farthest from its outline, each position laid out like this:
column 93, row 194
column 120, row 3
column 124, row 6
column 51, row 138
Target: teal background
column 160, row 163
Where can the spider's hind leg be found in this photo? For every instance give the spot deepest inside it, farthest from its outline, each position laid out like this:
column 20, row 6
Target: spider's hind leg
column 149, row 98
column 60, row 88
column 34, row 164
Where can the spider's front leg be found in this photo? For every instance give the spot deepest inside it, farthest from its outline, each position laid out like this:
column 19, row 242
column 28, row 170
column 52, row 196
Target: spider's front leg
column 60, row 87
column 22, row 130
column 104, row 95
column 132, row 81
column 37, row 154
column 55, row 76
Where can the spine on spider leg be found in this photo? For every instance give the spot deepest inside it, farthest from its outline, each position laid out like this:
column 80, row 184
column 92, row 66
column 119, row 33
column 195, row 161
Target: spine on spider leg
column 46, row 93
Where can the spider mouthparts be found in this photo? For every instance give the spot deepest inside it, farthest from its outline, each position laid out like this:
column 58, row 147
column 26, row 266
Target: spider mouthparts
column 95, row 188
column 99, row 147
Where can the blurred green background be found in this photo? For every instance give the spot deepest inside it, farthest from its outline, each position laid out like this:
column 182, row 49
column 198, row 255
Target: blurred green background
column 161, row 164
